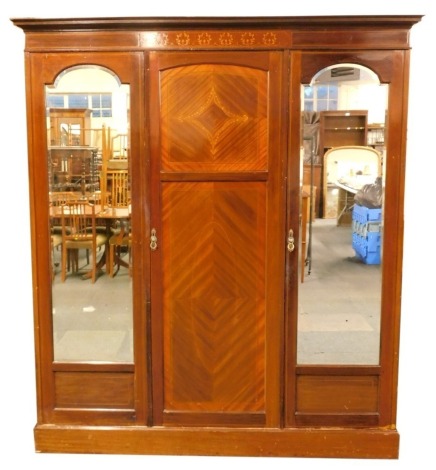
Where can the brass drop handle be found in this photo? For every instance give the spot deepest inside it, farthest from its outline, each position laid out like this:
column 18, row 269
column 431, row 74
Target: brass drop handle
column 153, row 240
column 291, row 241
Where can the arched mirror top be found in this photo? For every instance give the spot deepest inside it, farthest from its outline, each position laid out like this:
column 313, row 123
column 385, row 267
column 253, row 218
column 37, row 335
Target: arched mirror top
column 345, row 72
column 347, row 86
column 92, row 87
column 378, row 63
column 94, row 76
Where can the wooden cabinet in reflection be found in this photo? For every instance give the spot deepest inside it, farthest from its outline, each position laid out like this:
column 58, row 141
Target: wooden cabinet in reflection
column 70, row 126
column 338, row 128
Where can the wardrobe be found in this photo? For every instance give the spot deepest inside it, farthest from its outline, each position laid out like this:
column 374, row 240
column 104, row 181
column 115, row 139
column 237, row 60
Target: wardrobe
column 215, row 137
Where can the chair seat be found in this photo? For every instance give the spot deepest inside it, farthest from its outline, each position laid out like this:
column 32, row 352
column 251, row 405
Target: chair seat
column 100, row 240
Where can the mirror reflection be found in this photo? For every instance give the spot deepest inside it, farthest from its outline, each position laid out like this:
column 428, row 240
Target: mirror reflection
column 90, row 208
column 342, row 182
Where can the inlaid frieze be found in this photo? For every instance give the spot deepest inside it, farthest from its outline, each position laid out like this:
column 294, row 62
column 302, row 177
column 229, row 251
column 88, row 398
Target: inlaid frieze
column 213, row 39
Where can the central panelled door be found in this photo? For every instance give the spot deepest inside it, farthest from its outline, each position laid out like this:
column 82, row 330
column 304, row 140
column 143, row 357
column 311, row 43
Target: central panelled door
column 217, row 211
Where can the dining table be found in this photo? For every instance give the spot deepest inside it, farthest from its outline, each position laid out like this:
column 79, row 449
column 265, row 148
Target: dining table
column 105, row 215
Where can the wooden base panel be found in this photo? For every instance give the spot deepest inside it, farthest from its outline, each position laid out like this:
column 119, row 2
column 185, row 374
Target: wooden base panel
column 323, row 443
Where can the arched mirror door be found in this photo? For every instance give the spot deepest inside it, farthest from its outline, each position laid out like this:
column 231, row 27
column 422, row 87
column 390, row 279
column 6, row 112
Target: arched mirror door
column 342, row 184
column 340, row 330
column 90, row 207
column 89, row 217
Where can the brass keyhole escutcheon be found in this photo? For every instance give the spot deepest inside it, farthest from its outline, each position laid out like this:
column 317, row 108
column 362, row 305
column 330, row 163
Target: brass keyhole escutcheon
column 291, row 241
column 153, row 240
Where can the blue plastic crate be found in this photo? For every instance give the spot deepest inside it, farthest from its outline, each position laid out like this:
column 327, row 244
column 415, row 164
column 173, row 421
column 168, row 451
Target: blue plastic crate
column 363, row 229
column 363, row 214
column 367, row 248
column 366, row 236
column 373, row 241
column 371, row 258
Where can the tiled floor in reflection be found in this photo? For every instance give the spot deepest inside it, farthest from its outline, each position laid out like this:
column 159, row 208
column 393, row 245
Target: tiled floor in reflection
column 339, row 309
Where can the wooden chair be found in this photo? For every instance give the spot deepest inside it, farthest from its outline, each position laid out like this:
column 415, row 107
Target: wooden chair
column 114, row 157
column 118, row 185
column 56, row 242
column 58, row 199
column 79, row 232
column 115, row 190
column 119, row 144
column 121, row 238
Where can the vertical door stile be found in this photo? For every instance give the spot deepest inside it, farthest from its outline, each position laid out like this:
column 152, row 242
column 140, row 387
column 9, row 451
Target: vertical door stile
column 156, row 325
column 292, row 223
column 140, row 181
column 276, row 220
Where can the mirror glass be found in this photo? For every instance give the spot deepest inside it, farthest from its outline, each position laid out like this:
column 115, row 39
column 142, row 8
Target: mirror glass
column 89, row 195
column 342, row 181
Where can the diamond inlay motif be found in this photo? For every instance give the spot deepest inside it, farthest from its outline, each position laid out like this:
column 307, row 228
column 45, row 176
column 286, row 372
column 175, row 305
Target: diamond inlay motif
column 213, row 119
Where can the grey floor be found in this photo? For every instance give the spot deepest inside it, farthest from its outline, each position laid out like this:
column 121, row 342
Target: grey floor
column 339, row 308
column 339, row 302
column 93, row 322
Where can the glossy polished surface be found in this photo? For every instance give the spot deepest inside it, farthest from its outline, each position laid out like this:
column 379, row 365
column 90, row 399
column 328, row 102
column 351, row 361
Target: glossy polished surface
column 214, row 148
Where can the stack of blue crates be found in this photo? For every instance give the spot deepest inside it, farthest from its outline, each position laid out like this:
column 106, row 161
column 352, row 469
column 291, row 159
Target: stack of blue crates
column 366, row 224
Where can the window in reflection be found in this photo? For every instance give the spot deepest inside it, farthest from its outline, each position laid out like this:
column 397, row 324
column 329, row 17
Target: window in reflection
column 321, row 97
column 90, row 208
column 342, row 220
